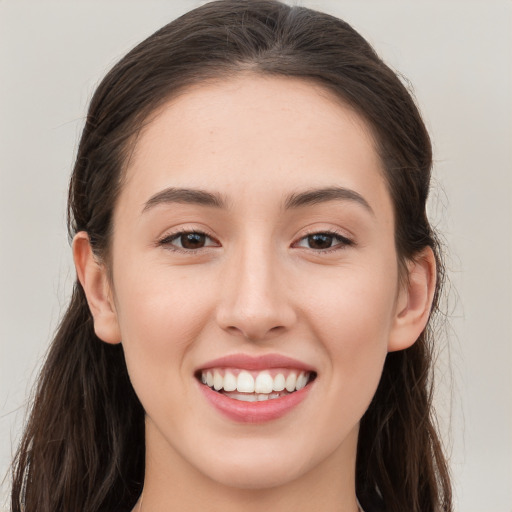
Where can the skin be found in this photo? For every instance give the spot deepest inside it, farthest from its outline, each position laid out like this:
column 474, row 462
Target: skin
column 258, row 286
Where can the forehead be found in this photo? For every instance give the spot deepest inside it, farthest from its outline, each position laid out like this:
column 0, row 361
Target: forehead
column 253, row 134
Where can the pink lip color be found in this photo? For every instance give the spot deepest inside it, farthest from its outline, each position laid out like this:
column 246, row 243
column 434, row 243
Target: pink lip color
column 255, row 412
column 255, row 363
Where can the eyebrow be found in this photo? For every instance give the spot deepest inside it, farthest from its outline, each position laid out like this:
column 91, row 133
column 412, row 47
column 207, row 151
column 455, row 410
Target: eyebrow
column 322, row 195
column 293, row 201
column 186, row 196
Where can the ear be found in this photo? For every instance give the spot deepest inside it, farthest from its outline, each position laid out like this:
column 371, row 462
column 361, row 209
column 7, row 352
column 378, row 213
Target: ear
column 414, row 301
column 94, row 280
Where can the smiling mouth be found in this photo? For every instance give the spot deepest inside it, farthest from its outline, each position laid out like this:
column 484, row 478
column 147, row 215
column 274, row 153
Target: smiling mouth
column 255, row 386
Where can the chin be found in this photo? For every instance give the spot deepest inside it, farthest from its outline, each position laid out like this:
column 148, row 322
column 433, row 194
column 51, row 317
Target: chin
column 259, row 476
column 258, row 464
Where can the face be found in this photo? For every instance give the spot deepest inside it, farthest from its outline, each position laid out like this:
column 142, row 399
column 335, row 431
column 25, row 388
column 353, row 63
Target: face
column 254, row 242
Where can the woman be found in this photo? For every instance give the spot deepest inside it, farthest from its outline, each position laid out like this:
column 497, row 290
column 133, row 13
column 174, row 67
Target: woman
column 255, row 280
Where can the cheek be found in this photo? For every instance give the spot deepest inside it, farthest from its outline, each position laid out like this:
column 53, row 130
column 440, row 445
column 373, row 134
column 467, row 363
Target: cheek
column 160, row 319
column 353, row 306
column 160, row 306
column 352, row 313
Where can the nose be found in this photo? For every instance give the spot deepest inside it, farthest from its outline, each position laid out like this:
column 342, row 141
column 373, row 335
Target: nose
column 255, row 302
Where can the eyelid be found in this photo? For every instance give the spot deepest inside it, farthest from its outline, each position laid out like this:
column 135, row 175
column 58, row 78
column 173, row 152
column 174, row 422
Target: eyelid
column 343, row 239
column 167, row 239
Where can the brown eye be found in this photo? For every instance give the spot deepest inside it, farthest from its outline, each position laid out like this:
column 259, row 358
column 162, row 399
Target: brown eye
column 324, row 241
column 320, row 241
column 188, row 241
column 192, row 240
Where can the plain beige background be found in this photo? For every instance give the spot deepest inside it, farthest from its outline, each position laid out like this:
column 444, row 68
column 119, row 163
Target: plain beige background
column 456, row 53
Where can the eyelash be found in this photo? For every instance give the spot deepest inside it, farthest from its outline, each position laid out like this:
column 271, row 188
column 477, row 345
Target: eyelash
column 167, row 240
column 342, row 241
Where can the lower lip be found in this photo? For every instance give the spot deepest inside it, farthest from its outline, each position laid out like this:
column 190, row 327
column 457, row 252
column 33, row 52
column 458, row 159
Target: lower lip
column 254, row 412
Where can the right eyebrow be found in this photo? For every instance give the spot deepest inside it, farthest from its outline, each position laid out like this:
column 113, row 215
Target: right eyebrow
column 186, row 196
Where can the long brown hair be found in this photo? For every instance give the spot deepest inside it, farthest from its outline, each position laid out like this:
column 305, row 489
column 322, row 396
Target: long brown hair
column 83, row 448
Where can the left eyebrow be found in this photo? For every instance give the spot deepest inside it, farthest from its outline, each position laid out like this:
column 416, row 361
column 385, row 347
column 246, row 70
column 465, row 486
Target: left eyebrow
column 316, row 196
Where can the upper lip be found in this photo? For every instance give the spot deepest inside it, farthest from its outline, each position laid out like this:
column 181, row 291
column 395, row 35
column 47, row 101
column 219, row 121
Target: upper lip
column 256, row 363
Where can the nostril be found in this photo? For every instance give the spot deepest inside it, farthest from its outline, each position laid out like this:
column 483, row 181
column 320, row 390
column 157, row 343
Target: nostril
column 255, row 334
column 253, row 315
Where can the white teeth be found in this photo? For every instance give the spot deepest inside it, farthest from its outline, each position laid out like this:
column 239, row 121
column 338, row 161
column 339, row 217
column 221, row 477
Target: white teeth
column 264, row 383
column 291, row 382
column 229, row 382
column 279, row 382
column 245, row 382
column 218, row 381
column 243, row 397
column 301, row 381
column 253, row 397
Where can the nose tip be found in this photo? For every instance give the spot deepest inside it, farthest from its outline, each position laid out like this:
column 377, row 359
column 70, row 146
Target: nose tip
column 255, row 329
column 255, row 316
column 254, row 303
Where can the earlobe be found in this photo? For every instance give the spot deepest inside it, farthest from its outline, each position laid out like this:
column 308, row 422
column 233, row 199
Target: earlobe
column 414, row 302
column 94, row 280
